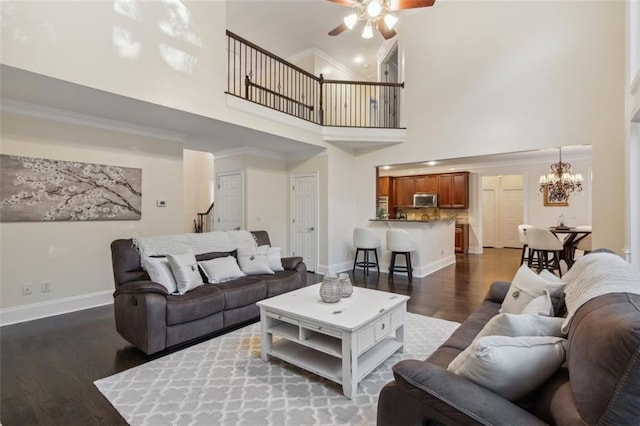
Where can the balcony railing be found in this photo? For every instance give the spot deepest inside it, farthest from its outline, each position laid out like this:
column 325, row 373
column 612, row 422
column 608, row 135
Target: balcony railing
column 260, row 76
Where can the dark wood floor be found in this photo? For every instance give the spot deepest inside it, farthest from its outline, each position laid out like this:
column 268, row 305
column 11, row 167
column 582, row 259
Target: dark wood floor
column 48, row 366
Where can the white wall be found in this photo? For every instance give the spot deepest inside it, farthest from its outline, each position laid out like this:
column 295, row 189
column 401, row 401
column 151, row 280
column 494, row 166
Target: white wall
column 197, row 182
column 490, row 77
column 172, row 53
column 75, row 256
column 316, row 165
column 266, row 185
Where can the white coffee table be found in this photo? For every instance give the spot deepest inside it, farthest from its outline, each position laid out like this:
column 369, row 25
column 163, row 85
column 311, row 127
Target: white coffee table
column 342, row 341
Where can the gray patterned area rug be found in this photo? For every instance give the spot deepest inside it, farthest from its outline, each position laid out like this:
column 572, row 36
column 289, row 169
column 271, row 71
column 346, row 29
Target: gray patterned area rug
column 224, row 381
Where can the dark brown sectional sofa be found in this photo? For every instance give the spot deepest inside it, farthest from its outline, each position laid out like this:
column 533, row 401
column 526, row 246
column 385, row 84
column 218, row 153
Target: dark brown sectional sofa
column 598, row 385
column 152, row 319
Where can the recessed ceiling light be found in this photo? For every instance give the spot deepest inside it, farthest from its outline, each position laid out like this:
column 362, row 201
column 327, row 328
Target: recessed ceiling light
column 453, row 168
column 431, row 163
column 386, row 167
column 358, row 59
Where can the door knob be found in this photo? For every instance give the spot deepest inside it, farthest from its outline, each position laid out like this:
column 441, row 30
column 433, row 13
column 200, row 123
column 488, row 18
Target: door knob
column 237, row 228
column 312, row 229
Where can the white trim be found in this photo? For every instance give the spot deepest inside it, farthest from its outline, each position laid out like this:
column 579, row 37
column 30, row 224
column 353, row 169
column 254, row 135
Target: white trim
column 336, row 268
column 69, row 117
column 243, row 105
column 635, row 83
column 248, row 150
column 424, row 270
column 367, row 135
column 50, row 308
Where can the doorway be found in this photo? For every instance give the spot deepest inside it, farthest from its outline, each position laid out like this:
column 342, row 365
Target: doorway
column 304, row 219
column 502, row 210
column 229, row 206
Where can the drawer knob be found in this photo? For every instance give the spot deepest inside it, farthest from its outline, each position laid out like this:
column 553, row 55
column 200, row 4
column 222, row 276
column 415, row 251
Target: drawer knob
column 383, row 326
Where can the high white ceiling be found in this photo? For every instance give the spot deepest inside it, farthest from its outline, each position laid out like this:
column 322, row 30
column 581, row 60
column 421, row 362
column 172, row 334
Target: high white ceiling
column 289, row 27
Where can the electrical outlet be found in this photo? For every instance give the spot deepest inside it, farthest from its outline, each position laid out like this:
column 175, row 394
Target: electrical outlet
column 45, row 286
column 26, row 289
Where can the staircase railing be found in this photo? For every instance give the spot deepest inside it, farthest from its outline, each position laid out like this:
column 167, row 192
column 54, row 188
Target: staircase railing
column 259, row 76
column 201, row 224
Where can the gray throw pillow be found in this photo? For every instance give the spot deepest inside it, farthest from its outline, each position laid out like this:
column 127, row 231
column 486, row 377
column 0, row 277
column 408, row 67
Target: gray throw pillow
column 185, row 270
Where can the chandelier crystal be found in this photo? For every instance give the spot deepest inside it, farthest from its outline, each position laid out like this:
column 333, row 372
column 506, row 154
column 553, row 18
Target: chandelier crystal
column 561, row 181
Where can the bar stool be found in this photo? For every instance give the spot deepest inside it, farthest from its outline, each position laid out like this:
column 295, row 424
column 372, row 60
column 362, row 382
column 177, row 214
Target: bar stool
column 365, row 240
column 542, row 243
column 400, row 242
column 522, row 236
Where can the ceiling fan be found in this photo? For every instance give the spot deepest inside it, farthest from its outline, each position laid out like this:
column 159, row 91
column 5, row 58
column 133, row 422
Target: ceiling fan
column 376, row 13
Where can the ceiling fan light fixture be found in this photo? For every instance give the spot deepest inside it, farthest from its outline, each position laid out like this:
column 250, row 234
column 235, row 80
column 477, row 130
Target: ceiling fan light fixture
column 390, row 21
column 368, row 31
column 350, row 21
column 374, row 8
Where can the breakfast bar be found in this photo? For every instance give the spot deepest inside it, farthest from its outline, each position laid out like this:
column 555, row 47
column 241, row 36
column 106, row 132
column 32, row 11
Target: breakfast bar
column 434, row 239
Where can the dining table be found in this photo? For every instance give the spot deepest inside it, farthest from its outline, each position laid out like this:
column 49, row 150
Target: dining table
column 573, row 236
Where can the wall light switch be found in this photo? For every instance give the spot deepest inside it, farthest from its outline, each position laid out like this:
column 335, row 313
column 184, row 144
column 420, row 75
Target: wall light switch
column 161, row 203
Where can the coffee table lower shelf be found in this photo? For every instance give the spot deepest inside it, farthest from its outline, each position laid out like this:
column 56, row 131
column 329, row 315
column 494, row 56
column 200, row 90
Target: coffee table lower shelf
column 328, row 366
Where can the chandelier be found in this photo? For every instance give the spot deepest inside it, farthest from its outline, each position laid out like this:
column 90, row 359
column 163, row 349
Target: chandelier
column 561, row 181
column 373, row 13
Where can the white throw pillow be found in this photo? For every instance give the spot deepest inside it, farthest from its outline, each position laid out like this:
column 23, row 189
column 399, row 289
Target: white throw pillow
column 160, row 272
column 526, row 286
column 550, row 276
column 541, row 305
column 516, row 325
column 254, row 261
column 274, row 258
column 221, row 269
column 185, row 270
column 510, row 366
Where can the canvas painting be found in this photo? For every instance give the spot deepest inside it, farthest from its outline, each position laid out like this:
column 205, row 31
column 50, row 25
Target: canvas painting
column 39, row 189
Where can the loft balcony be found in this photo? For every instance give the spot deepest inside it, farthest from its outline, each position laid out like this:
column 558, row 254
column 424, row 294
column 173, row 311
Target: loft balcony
column 353, row 113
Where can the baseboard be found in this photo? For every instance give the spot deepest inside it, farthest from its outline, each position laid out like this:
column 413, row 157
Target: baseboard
column 50, row 308
column 335, row 268
column 423, row 271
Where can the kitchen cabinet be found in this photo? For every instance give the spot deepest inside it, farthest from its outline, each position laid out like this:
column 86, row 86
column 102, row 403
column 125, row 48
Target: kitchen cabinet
column 453, row 190
column 427, row 183
column 461, row 240
column 384, row 186
column 403, row 189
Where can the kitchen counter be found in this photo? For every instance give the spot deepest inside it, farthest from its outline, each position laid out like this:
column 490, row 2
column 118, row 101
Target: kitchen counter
column 434, row 239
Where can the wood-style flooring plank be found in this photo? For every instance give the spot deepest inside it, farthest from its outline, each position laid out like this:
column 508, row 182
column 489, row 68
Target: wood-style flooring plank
column 48, row 366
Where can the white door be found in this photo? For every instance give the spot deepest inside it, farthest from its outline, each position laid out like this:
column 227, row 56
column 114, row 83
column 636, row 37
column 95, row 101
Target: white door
column 502, row 210
column 511, row 209
column 489, row 217
column 304, row 217
column 229, row 209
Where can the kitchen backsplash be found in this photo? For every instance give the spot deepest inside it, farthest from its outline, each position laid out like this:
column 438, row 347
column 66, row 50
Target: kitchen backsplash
column 461, row 216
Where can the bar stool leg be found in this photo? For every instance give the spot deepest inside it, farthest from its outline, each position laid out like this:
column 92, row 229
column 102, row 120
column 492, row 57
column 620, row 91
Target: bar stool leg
column 375, row 252
column 355, row 261
column 407, row 256
column 366, row 262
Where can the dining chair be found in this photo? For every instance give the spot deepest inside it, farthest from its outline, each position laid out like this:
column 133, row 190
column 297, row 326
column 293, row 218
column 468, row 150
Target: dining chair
column 522, row 236
column 585, row 244
column 545, row 248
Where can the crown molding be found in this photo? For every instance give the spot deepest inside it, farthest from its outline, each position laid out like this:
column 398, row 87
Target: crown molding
column 71, row 117
column 333, row 62
column 248, row 150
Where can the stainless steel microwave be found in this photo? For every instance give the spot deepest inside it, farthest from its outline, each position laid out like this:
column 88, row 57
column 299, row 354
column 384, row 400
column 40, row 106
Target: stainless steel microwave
column 425, row 200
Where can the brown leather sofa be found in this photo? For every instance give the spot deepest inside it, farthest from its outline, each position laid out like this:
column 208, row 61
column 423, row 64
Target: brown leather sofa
column 152, row 319
column 599, row 383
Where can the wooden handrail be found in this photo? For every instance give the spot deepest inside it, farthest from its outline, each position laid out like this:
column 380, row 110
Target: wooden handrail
column 365, row 83
column 250, row 84
column 271, row 55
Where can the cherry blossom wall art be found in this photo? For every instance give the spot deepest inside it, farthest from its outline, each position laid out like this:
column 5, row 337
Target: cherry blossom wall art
column 38, row 189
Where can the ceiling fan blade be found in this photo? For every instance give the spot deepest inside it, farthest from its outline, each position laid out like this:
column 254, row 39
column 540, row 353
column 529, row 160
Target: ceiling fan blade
column 385, row 31
column 348, row 3
column 409, row 4
column 337, row 30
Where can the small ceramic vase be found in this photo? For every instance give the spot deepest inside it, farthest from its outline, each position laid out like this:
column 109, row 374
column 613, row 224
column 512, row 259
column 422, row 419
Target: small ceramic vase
column 330, row 289
column 347, row 288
